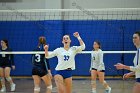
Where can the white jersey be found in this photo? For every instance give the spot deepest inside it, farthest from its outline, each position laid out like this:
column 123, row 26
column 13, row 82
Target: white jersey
column 97, row 60
column 66, row 59
column 136, row 67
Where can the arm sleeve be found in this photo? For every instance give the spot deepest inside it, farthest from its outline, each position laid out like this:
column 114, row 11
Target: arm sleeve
column 47, row 62
column 11, row 58
column 91, row 61
column 100, row 57
column 32, row 59
column 52, row 54
column 137, row 67
column 100, row 61
column 80, row 48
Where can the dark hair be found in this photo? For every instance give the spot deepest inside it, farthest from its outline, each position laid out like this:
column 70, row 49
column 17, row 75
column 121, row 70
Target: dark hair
column 98, row 44
column 138, row 33
column 6, row 41
column 42, row 40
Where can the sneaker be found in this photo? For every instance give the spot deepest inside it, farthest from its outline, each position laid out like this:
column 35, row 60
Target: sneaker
column 108, row 90
column 93, row 91
column 3, row 89
column 13, row 87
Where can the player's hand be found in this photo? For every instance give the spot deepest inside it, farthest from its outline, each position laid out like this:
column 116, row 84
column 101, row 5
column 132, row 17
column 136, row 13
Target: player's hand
column 46, row 47
column 13, row 67
column 90, row 71
column 50, row 74
column 127, row 75
column 119, row 66
column 76, row 34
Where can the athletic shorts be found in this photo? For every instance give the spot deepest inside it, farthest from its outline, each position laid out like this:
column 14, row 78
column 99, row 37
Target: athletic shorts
column 138, row 80
column 64, row 73
column 5, row 64
column 99, row 71
column 40, row 72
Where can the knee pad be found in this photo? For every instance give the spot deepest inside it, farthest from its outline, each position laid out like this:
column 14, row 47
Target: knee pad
column 93, row 82
column 49, row 87
column 8, row 78
column 37, row 89
column 0, row 78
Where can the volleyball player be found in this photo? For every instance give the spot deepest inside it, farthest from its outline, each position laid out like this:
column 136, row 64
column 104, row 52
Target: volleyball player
column 41, row 68
column 136, row 68
column 66, row 62
column 6, row 63
column 97, row 68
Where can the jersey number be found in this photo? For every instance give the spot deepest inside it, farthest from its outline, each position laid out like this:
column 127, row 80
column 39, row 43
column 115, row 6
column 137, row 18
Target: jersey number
column 37, row 57
column 66, row 57
column 93, row 58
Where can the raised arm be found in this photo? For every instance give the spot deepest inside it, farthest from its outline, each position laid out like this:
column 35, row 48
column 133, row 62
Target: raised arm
column 82, row 44
column 49, row 55
column 76, row 34
column 46, row 50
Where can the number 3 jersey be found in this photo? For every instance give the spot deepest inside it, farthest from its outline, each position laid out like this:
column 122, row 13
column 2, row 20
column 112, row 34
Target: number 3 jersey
column 39, row 60
column 97, row 60
column 66, row 58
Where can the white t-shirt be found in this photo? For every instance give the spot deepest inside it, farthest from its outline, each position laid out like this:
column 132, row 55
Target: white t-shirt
column 136, row 67
column 97, row 60
column 66, row 59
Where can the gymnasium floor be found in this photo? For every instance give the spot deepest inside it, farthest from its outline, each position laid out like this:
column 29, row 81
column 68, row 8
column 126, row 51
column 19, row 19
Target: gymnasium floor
column 79, row 86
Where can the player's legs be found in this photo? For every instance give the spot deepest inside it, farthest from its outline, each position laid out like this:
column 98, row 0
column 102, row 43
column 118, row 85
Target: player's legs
column 8, row 78
column 68, row 84
column 36, row 79
column 136, row 88
column 103, row 82
column 48, row 83
column 2, row 79
column 7, row 75
column 59, row 83
column 93, row 80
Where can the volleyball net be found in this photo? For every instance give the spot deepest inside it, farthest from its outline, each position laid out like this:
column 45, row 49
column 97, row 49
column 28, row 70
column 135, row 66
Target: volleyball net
column 112, row 27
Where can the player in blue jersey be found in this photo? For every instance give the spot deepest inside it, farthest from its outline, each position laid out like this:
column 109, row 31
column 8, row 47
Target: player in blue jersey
column 6, row 63
column 41, row 68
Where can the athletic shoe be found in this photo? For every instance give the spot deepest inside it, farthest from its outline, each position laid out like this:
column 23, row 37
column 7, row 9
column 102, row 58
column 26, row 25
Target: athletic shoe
column 3, row 89
column 108, row 90
column 13, row 87
column 93, row 91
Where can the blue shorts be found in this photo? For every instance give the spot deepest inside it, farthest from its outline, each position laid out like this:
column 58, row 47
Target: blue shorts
column 64, row 73
column 138, row 80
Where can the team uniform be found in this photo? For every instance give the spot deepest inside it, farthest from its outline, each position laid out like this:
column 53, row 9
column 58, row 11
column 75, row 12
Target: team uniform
column 66, row 60
column 40, row 64
column 136, row 67
column 97, row 61
column 6, row 60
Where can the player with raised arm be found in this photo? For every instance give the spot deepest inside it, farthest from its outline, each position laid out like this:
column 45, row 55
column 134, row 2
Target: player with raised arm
column 66, row 62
